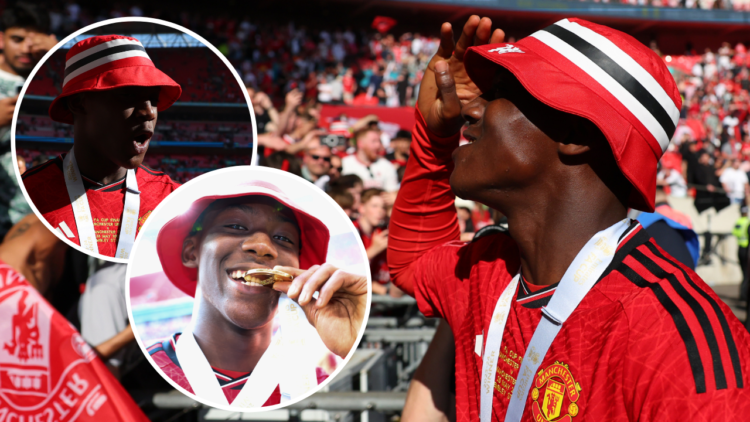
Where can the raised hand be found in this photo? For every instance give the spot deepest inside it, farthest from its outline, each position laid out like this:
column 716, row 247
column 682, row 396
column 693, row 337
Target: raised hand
column 338, row 312
column 446, row 86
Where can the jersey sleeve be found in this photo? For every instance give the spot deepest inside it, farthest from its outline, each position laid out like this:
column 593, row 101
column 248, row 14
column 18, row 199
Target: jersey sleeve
column 424, row 215
column 683, row 365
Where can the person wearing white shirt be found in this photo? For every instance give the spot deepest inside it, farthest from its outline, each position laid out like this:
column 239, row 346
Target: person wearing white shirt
column 367, row 162
column 735, row 182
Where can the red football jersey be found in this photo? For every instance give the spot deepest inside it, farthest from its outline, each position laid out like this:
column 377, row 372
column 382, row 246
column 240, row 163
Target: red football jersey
column 46, row 187
column 231, row 382
column 649, row 342
column 379, row 264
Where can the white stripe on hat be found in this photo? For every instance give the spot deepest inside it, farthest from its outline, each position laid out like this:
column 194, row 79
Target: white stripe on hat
column 104, row 60
column 610, row 84
column 97, row 48
column 626, row 62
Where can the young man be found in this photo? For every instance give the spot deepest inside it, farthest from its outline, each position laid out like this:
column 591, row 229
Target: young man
column 231, row 354
column 316, row 163
column 24, row 40
column 99, row 194
column 577, row 315
column 371, row 226
column 367, row 162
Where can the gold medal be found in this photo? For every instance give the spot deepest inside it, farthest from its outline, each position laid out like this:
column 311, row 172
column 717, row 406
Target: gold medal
column 266, row 277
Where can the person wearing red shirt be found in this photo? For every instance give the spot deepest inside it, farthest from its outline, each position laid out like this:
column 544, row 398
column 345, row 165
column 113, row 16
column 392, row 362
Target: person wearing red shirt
column 99, row 194
column 231, row 355
column 372, row 228
column 575, row 314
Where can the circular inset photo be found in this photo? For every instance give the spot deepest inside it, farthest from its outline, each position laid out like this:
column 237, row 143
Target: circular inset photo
column 114, row 118
column 249, row 288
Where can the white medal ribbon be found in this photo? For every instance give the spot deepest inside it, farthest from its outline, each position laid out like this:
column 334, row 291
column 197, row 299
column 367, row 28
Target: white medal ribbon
column 82, row 211
column 284, row 363
column 578, row 279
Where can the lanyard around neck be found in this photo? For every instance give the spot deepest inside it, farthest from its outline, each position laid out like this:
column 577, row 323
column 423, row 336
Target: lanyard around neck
column 578, row 279
column 82, row 210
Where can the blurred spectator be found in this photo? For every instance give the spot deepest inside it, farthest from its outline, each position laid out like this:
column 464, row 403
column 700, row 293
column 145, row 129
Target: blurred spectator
column 25, row 39
column 372, row 226
column 335, row 172
column 103, row 313
column 367, row 162
column 735, row 182
column 283, row 161
column 742, row 232
column 400, row 145
column 464, row 210
column 316, row 163
column 353, row 184
column 344, row 199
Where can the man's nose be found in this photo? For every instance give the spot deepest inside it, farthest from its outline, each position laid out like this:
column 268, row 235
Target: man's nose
column 260, row 244
column 473, row 111
column 147, row 111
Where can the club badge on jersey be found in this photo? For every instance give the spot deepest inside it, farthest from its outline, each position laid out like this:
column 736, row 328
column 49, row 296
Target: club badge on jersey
column 82, row 211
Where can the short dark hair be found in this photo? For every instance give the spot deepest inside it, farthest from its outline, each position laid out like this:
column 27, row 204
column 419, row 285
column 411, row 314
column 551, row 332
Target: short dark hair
column 26, row 15
column 342, row 197
column 403, row 134
column 346, row 181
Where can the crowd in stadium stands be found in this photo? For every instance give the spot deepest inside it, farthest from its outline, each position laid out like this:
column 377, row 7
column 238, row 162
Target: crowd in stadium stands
column 711, row 147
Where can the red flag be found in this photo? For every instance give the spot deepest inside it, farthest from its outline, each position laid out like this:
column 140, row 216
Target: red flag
column 383, row 23
column 47, row 370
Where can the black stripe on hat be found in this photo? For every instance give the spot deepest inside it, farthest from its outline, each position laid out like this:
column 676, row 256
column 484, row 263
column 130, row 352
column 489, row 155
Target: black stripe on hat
column 104, row 53
column 622, row 76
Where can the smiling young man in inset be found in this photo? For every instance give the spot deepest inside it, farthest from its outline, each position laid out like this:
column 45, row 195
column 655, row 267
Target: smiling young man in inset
column 232, row 354
column 99, row 194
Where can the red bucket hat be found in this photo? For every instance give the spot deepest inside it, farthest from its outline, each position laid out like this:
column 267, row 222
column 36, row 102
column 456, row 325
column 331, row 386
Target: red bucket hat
column 603, row 75
column 108, row 62
column 314, row 234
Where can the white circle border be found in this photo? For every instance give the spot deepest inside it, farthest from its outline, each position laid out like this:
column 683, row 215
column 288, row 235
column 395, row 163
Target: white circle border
column 271, row 172
column 59, row 45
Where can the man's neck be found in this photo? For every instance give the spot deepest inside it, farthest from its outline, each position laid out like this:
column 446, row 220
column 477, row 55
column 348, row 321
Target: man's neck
column 552, row 227
column 362, row 157
column 365, row 226
column 227, row 346
column 97, row 168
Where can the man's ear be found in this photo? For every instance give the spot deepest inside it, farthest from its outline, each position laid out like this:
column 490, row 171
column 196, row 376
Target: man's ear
column 580, row 138
column 190, row 252
column 75, row 104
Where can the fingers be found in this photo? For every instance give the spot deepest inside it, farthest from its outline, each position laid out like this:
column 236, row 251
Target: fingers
column 446, row 41
column 341, row 280
column 467, row 36
column 451, row 105
column 498, row 36
column 483, row 31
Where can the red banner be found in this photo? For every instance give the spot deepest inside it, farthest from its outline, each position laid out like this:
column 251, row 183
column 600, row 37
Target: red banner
column 47, row 371
column 391, row 118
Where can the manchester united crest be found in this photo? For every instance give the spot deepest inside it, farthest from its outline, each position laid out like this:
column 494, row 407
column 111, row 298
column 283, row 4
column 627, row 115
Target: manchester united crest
column 555, row 394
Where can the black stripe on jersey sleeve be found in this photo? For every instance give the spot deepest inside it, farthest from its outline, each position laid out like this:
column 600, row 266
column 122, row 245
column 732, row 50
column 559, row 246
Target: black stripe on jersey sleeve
column 637, row 240
column 731, row 345
column 700, row 314
column 691, row 347
column 169, row 350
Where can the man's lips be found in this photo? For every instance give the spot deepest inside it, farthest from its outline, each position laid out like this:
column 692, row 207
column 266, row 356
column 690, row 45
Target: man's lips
column 141, row 140
column 237, row 274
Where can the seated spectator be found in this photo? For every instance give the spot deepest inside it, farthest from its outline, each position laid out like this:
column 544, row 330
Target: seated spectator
column 367, row 162
column 464, row 210
column 353, row 184
column 316, row 163
column 372, row 226
column 335, row 172
column 344, row 199
column 400, row 145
